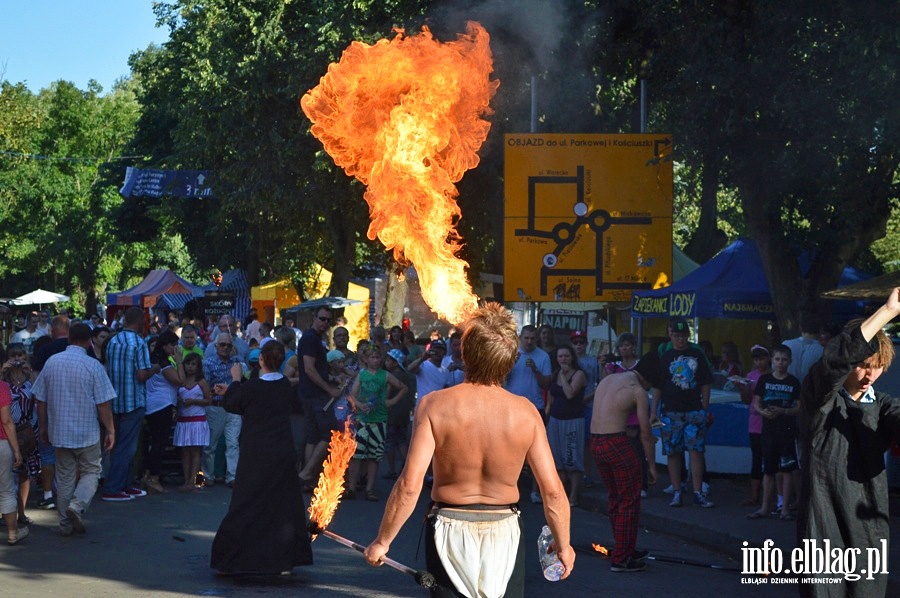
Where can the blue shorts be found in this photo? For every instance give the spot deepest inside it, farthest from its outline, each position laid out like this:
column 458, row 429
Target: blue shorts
column 683, row 431
column 48, row 453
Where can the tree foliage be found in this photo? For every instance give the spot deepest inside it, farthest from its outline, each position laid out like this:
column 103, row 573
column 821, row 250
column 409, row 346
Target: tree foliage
column 783, row 115
column 791, row 106
column 223, row 94
column 59, row 179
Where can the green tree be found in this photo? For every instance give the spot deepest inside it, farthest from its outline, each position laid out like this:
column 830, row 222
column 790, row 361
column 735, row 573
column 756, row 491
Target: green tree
column 60, row 189
column 789, row 104
column 223, row 95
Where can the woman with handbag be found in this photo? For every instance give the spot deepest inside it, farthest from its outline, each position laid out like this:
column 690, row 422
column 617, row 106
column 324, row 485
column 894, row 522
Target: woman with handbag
column 17, row 373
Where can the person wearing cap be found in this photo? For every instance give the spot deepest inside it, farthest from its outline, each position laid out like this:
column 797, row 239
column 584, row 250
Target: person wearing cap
column 397, row 441
column 337, row 369
column 253, row 364
column 682, row 394
column 618, row 397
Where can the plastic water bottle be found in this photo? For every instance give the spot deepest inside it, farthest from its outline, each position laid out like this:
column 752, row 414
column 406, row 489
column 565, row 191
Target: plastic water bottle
column 550, row 563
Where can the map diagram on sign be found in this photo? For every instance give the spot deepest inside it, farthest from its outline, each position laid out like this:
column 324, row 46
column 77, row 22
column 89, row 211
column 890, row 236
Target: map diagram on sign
column 588, row 218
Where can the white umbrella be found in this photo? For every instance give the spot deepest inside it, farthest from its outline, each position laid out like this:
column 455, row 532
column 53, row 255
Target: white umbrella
column 39, row 297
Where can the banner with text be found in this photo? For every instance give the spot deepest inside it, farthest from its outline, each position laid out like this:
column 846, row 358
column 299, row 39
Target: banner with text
column 150, row 182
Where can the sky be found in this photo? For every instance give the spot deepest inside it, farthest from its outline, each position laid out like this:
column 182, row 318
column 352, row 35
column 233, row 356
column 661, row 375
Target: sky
column 42, row 41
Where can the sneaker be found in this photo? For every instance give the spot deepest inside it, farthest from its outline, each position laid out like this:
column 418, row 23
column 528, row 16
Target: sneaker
column 704, row 488
column 76, row 520
column 115, row 497
column 536, row 498
column 135, row 492
column 669, row 489
column 21, row 532
column 47, row 503
column 629, row 566
column 676, row 499
column 643, row 494
column 700, row 500
column 640, row 555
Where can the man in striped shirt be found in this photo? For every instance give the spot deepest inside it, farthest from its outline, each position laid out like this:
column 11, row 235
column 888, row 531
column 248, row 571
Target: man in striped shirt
column 128, row 365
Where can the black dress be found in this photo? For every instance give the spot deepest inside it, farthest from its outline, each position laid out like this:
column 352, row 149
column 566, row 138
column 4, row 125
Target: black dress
column 844, row 497
column 264, row 531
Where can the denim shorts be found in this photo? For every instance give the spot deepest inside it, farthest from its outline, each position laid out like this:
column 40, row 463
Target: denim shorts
column 48, row 453
column 683, row 431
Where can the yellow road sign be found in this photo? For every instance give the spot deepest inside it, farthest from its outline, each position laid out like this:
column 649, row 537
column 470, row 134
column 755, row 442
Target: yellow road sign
column 587, row 217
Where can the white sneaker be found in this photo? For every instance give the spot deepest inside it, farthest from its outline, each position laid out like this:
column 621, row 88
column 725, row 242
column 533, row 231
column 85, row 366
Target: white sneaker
column 536, row 498
column 704, row 488
column 701, row 501
column 669, row 489
column 676, row 499
column 643, row 494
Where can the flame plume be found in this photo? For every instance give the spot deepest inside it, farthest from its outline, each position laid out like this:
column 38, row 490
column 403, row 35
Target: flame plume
column 327, row 494
column 404, row 116
column 601, row 549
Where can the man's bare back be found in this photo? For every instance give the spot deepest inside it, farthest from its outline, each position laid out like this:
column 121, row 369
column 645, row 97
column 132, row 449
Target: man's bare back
column 482, row 436
column 477, row 437
column 617, row 396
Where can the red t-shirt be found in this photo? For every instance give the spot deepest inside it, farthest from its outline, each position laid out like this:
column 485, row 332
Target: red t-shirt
column 5, row 401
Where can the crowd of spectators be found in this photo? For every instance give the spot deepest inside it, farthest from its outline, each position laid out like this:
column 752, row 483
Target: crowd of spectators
column 165, row 385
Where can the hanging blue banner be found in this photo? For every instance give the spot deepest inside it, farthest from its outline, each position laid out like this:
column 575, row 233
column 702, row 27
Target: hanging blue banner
column 151, row 182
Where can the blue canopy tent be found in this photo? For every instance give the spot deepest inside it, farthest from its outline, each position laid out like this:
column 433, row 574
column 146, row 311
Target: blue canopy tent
column 731, row 285
column 169, row 301
column 145, row 293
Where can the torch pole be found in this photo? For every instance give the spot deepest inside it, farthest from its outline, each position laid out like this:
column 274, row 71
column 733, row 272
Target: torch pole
column 423, row 578
column 360, row 548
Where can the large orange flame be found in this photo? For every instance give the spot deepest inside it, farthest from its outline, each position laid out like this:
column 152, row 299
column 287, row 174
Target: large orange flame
column 327, row 494
column 404, row 116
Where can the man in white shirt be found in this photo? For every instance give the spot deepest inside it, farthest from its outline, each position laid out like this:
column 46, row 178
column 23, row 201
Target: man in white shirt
column 430, row 375
column 30, row 333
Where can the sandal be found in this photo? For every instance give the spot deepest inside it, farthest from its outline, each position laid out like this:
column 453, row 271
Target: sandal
column 756, row 515
column 371, row 496
column 25, row 520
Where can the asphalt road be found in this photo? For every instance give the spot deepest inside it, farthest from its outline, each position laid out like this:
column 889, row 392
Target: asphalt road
column 159, row 546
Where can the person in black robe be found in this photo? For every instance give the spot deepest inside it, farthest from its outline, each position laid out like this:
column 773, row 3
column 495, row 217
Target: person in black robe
column 264, row 531
column 845, row 429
